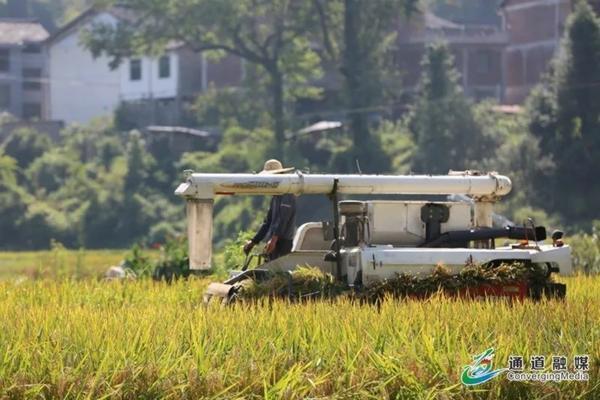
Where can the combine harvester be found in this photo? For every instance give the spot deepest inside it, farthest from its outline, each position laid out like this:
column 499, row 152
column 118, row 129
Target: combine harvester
column 370, row 241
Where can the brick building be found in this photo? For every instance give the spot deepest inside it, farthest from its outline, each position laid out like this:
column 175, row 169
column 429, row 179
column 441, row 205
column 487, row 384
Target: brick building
column 503, row 62
column 534, row 29
column 477, row 51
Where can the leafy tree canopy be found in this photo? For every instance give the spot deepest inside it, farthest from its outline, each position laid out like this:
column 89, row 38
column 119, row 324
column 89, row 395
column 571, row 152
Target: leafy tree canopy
column 565, row 116
column 273, row 35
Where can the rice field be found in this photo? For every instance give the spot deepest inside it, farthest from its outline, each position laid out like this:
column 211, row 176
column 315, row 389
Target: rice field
column 58, row 263
column 64, row 338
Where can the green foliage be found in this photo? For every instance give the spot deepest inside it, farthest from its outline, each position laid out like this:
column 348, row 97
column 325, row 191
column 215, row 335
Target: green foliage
column 517, row 154
column 362, row 49
column 565, row 116
column 586, row 250
column 79, row 264
column 272, row 35
column 240, row 151
column 442, row 122
column 103, row 187
column 140, row 263
column 12, row 200
column 96, row 188
column 49, row 172
column 233, row 253
column 139, row 162
column 25, row 145
column 397, row 144
column 8, row 167
column 230, row 107
column 172, row 263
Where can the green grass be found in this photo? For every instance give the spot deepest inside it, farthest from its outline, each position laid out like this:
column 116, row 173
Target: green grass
column 58, row 263
column 94, row 339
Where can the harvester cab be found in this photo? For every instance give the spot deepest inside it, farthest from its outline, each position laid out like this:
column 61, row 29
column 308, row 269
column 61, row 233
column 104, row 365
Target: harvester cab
column 370, row 241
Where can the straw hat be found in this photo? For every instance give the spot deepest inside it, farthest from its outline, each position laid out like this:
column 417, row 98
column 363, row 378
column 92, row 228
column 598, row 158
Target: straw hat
column 275, row 167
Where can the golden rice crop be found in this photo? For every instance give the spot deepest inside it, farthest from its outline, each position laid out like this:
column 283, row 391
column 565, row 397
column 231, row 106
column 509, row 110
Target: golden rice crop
column 94, row 339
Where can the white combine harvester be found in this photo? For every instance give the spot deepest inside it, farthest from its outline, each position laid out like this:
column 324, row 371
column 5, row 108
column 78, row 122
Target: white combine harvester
column 367, row 241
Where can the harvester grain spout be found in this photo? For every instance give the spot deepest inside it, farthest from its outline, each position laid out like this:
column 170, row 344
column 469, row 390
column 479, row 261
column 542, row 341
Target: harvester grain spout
column 200, row 189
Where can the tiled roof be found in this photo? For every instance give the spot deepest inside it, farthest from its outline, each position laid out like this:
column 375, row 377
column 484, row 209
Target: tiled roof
column 121, row 13
column 17, row 32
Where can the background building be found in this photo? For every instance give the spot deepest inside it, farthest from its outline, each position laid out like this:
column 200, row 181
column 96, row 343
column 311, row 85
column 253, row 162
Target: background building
column 477, row 50
column 83, row 87
column 535, row 29
column 22, row 68
column 501, row 58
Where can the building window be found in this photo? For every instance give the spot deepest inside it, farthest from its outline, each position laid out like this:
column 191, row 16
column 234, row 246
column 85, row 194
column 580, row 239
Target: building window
column 4, row 97
column 482, row 94
column 164, row 67
column 32, row 79
column 32, row 111
column 4, row 60
column 32, row 48
column 135, row 70
column 484, row 61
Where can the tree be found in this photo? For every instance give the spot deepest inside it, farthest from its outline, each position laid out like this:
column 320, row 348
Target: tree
column 516, row 153
column 8, row 166
column 273, row 35
column 25, row 145
column 442, row 122
column 359, row 36
column 51, row 171
column 565, row 116
column 139, row 163
column 239, row 151
column 11, row 200
column 230, row 107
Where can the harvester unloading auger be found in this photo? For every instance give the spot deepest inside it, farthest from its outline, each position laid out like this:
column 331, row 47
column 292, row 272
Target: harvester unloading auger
column 370, row 241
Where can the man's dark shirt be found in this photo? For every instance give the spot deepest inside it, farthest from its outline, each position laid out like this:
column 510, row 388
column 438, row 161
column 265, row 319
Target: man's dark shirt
column 280, row 220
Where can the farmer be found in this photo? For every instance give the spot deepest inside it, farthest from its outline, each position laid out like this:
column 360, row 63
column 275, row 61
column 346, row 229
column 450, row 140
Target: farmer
column 280, row 223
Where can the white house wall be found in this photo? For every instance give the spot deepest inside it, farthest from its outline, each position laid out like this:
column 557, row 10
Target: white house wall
column 81, row 87
column 150, row 86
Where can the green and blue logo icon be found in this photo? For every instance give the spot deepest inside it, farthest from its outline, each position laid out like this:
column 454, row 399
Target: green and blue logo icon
column 481, row 369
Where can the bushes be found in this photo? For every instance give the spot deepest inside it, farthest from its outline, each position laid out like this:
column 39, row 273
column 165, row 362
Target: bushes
column 172, row 263
column 586, row 251
column 233, row 254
